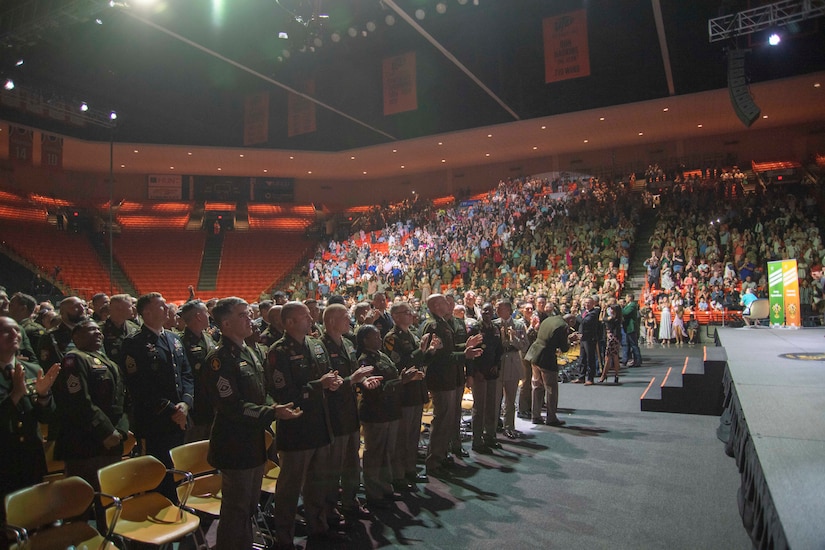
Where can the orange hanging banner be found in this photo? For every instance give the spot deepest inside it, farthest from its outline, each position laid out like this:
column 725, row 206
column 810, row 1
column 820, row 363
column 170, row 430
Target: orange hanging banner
column 566, row 50
column 301, row 112
column 400, row 93
column 256, row 119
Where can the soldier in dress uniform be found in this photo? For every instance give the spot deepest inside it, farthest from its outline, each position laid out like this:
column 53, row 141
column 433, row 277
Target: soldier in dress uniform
column 198, row 343
column 441, row 376
column 160, row 384
column 515, row 341
column 118, row 326
column 484, row 372
column 21, row 308
column 100, row 307
column 234, row 377
column 275, row 330
column 383, row 320
column 459, row 325
column 343, row 412
column 408, row 352
column 25, row 401
column 90, row 394
column 298, row 371
column 53, row 345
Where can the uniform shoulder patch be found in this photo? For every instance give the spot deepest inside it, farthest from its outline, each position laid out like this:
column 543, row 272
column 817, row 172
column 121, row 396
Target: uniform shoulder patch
column 215, row 364
column 69, row 361
column 73, row 384
column 224, row 387
column 131, row 365
column 389, row 342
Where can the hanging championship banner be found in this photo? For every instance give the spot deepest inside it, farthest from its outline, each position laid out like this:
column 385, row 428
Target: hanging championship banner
column 256, row 119
column 51, row 152
column 301, row 112
column 21, row 145
column 776, row 293
column 790, row 287
column 400, row 89
column 566, row 50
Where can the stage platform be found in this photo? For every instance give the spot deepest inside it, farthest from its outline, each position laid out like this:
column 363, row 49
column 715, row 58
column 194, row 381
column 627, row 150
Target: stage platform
column 774, row 425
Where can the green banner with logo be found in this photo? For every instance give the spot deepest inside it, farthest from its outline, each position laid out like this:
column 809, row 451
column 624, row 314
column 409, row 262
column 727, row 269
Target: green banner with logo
column 776, row 293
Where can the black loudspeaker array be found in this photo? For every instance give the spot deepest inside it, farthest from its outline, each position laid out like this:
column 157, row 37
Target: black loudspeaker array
column 740, row 96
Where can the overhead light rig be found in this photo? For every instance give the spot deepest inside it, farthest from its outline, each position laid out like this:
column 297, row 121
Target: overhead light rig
column 764, row 17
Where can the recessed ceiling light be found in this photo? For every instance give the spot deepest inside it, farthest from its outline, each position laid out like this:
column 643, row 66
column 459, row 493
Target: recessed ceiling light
column 698, row 125
column 219, row 169
column 587, row 141
column 666, row 109
column 544, row 127
column 817, row 85
column 441, row 143
column 443, row 160
column 395, row 150
column 489, row 135
column 241, row 155
column 535, row 147
column 402, row 166
column 265, row 170
column 171, row 167
column 641, row 133
column 291, row 158
column 309, row 171
column 352, row 158
column 123, row 166
column 486, row 154
column 190, row 153
column 365, row 172
column 135, row 151
column 601, row 118
column 764, row 116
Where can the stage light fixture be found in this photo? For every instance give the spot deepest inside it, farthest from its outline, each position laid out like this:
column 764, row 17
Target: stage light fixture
column 774, row 39
column 84, row 107
column 113, row 116
column 19, row 62
column 9, row 85
column 99, row 21
column 283, row 36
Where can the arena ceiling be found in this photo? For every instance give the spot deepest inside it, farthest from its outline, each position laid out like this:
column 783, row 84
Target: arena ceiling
column 177, row 72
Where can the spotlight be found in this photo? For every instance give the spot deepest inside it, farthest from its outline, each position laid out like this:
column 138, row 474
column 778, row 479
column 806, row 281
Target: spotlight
column 283, row 36
column 9, row 85
column 19, row 62
column 113, row 115
column 774, row 39
column 441, row 7
column 99, row 21
column 84, row 107
column 420, row 14
column 390, row 20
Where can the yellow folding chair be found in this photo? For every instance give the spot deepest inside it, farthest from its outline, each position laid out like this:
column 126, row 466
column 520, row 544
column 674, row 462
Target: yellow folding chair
column 147, row 516
column 51, row 516
column 205, row 494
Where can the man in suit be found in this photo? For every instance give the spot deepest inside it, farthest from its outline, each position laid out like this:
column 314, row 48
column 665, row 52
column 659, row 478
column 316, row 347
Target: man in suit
column 160, row 383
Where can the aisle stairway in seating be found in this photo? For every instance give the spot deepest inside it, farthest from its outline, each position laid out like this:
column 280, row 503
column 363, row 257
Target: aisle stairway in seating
column 211, row 262
column 694, row 387
column 637, row 273
column 119, row 278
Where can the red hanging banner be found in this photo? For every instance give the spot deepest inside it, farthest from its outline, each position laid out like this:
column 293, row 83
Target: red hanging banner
column 566, row 50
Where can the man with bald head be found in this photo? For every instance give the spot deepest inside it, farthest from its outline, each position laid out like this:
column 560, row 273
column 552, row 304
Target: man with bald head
column 275, row 329
column 441, row 379
column 118, row 326
column 198, row 343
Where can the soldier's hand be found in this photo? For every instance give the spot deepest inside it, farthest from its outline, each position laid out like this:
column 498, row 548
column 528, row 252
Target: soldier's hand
column 474, row 340
column 112, row 441
column 361, row 373
column 180, row 414
column 43, row 384
column 287, row 411
column 331, row 381
column 18, row 383
column 411, row 374
column 372, row 382
column 472, row 353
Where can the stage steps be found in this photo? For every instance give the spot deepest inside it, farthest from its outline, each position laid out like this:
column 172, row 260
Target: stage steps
column 694, row 387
